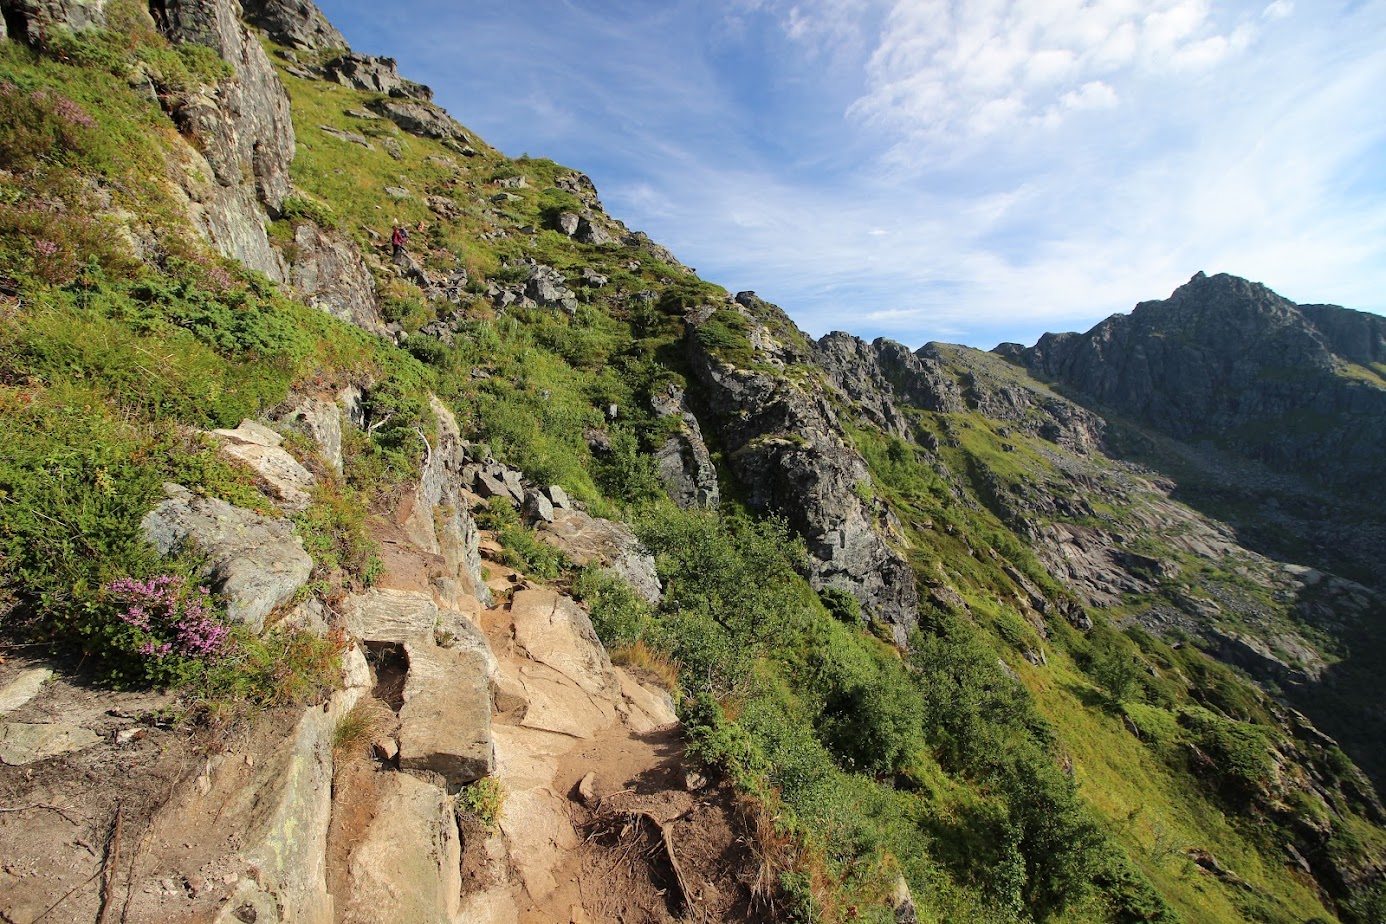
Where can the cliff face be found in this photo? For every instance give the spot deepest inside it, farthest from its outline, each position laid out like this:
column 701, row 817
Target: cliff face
column 785, row 443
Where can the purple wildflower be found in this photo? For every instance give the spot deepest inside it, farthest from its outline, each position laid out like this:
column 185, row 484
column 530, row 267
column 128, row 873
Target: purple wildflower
column 160, row 607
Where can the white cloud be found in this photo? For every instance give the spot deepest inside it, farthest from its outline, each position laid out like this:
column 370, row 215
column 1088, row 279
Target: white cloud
column 946, row 71
column 1092, row 95
column 1278, row 10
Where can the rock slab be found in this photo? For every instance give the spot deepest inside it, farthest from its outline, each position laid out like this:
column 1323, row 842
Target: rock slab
column 256, row 562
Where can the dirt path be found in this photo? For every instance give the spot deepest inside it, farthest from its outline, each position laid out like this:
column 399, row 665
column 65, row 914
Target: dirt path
column 564, row 712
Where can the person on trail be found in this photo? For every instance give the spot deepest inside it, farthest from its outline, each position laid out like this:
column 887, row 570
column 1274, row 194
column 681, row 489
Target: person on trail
column 398, row 238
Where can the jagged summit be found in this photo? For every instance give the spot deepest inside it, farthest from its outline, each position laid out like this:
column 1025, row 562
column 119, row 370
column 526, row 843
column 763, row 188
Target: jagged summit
column 1230, row 360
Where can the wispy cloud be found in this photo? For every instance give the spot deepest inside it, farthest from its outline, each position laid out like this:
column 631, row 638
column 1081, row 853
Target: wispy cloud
column 979, row 169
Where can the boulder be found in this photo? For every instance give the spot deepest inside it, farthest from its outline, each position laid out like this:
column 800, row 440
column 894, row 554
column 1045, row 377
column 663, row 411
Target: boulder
column 407, row 865
column 22, row 688
column 445, row 723
column 585, row 539
column 281, row 475
column 349, row 137
column 322, row 421
column 589, row 232
column 420, row 118
column 255, row 562
column 547, row 287
column 22, row 743
column 374, row 75
column 538, row 507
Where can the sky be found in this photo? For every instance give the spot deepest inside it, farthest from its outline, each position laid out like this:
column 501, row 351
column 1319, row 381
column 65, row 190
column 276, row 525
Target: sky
column 970, row 171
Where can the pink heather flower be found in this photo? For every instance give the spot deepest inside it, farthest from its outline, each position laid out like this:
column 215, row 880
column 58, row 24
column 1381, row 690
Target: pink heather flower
column 73, row 113
column 158, row 606
column 46, row 248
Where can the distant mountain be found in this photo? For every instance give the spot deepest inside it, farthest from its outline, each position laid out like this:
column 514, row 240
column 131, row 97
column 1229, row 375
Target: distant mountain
column 1301, row 388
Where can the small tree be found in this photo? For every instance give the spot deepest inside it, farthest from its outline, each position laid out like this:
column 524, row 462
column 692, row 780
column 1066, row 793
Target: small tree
column 1117, row 673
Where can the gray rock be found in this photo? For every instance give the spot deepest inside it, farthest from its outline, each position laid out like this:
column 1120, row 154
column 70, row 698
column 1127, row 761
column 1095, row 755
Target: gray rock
column 683, row 461
column 784, row 443
column 322, row 421
column 639, row 240
column 257, row 563
column 558, row 496
column 568, row 223
column 350, row 137
column 488, row 485
column 374, row 75
column 33, row 19
column 284, row 807
column 580, row 185
column 22, row 743
column 585, row 539
column 538, row 507
column 547, row 287
column 244, row 131
column 295, row 23
column 445, row 723
column 280, row 474
column 902, row 900
column 420, row 118
column 22, row 688
column 590, row 232
column 398, row 192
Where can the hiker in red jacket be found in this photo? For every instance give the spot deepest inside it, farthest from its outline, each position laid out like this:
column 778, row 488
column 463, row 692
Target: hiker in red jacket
column 398, row 239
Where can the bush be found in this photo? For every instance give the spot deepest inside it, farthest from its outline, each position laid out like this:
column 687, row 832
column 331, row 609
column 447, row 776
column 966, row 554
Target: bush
column 483, row 801
column 619, row 614
column 533, row 557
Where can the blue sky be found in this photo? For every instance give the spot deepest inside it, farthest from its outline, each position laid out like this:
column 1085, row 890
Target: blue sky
column 962, row 170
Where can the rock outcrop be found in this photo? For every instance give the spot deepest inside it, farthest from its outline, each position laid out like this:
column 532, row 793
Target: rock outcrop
column 241, row 127
column 331, row 275
column 784, row 442
column 281, row 476
column 683, row 461
column 295, row 23
column 255, row 562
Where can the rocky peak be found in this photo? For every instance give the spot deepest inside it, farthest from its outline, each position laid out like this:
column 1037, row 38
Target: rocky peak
column 295, row 23
column 1230, row 360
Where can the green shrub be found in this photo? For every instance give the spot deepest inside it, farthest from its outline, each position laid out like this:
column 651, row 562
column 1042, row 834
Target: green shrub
column 619, row 614
column 484, row 801
column 1239, row 751
column 532, row 556
column 724, row 336
column 299, row 207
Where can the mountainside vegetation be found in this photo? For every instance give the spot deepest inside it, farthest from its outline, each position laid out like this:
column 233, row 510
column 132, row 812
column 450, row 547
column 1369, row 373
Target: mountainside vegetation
column 1002, row 627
